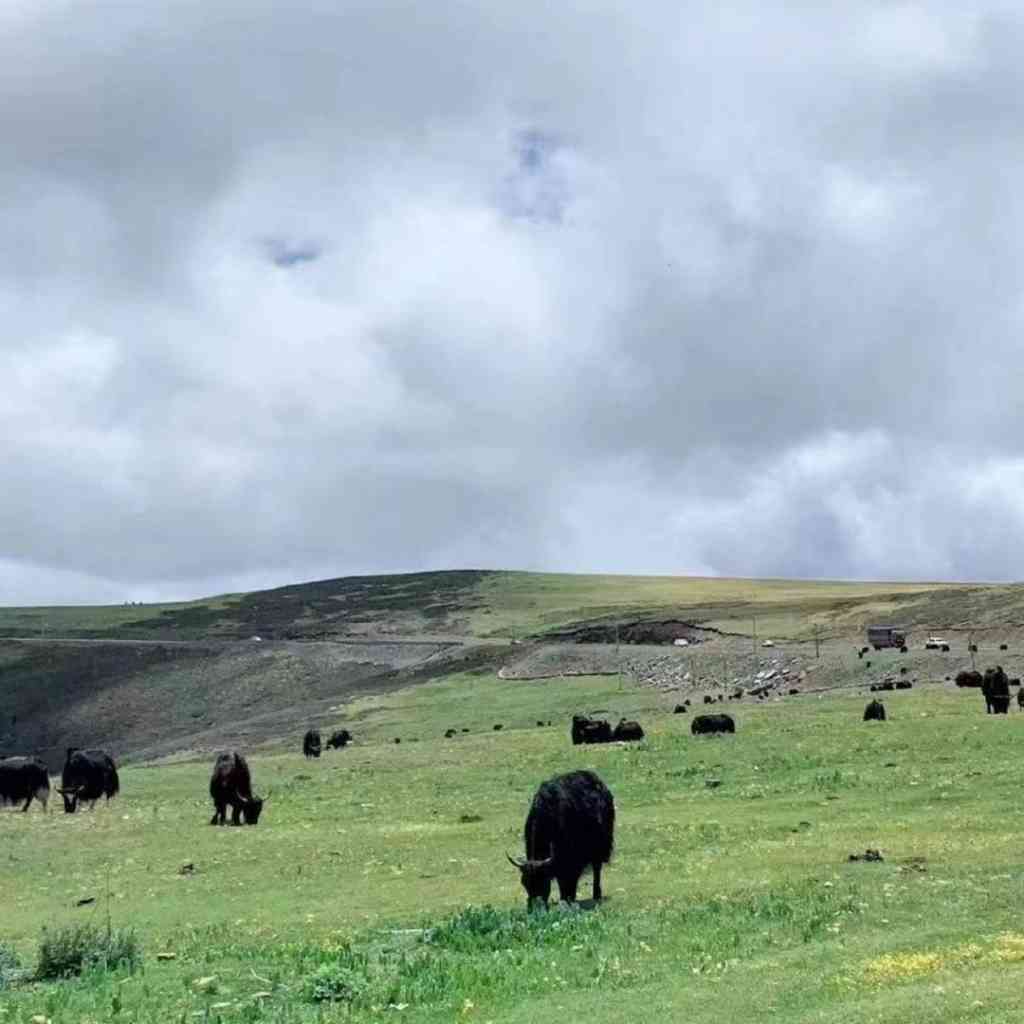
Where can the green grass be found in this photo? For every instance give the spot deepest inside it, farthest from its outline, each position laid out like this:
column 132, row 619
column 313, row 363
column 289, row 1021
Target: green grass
column 376, row 887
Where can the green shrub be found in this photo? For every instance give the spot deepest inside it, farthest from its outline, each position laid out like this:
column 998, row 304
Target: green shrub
column 69, row 951
column 10, row 966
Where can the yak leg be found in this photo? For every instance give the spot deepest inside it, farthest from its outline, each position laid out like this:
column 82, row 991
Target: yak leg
column 597, row 883
column 567, row 888
column 236, row 811
column 218, row 814
column 27, row 802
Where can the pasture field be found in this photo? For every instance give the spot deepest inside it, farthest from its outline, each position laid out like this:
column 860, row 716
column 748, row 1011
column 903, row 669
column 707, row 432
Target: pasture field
column 376, row 885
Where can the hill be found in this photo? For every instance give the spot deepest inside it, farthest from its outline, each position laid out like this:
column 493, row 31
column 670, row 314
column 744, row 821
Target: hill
column 249, row 669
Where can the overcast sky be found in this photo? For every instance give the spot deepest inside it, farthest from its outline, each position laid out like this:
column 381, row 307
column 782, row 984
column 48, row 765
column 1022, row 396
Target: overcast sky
column 291, row 291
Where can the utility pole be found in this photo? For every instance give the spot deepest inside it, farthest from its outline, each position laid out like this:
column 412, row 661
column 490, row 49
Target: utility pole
column 970, row 646
column 817, row 640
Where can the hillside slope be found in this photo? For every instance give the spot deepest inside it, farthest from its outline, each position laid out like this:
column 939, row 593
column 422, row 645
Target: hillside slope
column 150, row 681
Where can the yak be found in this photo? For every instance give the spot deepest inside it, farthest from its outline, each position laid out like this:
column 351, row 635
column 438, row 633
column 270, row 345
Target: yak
column 680, row 709
column 449, row 733
column 874, row 712
column 708, row 725
column 995, row 688
column 339, row 738
column 626, row 731
column 231, row 784
column 24, row 778
column 590, row 730
column 973, row 679
column 87, row 775
column 570, row 827
column 1020, row 699
column 311, row 743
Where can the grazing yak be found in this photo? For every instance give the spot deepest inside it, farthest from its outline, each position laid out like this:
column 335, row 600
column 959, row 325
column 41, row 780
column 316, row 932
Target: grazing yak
column 87, row 775
column 709, row 725
column 874, row 712
column 340, row 738
column 995, row 688
column 231, row 784
column 680, row 709
column 311, row 743
column 1020, row 699
column 590, row 730
column 570, row 827
column 973, row 679
column 449, row 733
column 626, row 731
column 24, row 778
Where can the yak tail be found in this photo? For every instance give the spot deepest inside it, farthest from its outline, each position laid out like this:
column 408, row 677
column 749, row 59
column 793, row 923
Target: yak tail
column 113, row 784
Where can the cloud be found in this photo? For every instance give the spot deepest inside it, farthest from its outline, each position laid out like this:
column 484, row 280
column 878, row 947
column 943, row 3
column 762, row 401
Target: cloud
column 294, row 292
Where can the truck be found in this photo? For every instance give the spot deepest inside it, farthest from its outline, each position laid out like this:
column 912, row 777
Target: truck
column 886, row 636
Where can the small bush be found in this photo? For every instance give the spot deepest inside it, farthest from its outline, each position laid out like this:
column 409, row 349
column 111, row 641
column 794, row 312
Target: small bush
column 336, row 981
column 10, row 966
column 69, row 951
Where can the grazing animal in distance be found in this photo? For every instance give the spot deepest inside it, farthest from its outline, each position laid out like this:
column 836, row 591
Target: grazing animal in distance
column 1020, row 699
column 570, row 827
column 626, row 731
column 874, row 712
column 972, row 679
column 709, row 725
column 340, row 738
column 498, row 727
column 86, row 776
column 680, row 709
column 449, row 733
column 995, row 687
column 231, row 785
column 904, row 684
column 590, row 730
column 311, row 743
column 24, row 778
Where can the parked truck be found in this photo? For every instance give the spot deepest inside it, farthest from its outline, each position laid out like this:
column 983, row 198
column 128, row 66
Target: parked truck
column 886, row 636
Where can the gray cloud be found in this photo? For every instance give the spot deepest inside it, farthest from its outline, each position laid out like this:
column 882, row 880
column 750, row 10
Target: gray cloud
column 729, row 289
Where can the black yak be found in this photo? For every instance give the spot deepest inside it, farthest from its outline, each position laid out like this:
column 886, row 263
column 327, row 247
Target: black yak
column 24, row 778
column 231, row 784
column 449, row 733
column 680, row 709
column 874, row 712
column 1020, row 699
column 590, row 730
column 708, row 725
column 340, row 738
column 973, row 679
column 995, row 687
column 626, row 731
column 311, row 743
column 904, row 684
column 570, row 827
column 87, row 775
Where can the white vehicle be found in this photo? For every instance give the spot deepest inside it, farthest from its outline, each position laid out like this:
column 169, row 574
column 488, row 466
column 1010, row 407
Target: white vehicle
column 768, row 643
column 936, row 643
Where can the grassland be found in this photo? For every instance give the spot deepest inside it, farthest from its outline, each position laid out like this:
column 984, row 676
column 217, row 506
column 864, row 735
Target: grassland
column 370, row 878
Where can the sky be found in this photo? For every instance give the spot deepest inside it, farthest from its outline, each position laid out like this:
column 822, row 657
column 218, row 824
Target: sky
column 293, row 291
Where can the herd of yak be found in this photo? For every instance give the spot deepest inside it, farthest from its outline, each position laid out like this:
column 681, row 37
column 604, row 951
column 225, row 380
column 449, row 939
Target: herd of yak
column 570, row 826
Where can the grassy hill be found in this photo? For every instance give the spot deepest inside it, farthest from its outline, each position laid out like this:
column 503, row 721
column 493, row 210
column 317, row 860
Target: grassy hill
column 376, row 886
column 250, row 669
column 479, row 604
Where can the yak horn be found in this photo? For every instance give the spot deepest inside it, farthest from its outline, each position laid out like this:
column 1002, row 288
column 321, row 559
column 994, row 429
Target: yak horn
column 515, row 863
